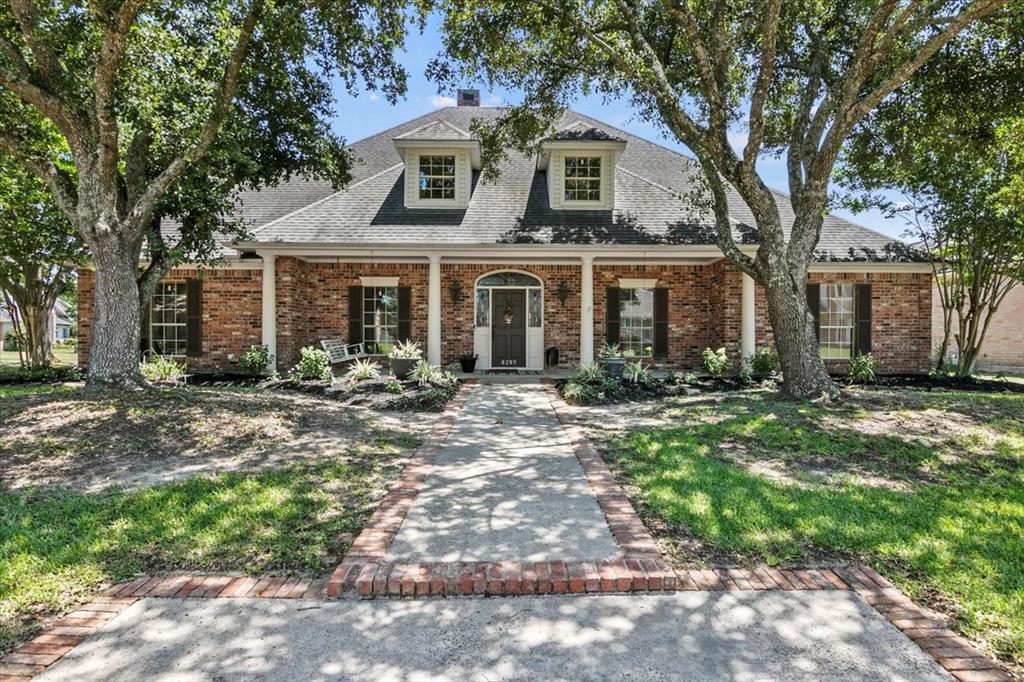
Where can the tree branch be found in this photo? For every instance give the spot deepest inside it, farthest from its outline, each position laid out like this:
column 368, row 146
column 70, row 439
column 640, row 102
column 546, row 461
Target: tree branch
column 60, row 184
column 763, row 85
column 142, row 210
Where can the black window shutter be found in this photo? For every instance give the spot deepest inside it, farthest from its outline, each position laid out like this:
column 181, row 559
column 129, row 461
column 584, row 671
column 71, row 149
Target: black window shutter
column 355, row 314
column 404, row 313
column 193, row 317
column 814, row 303
column 660, row 323
column 611, row 315
column 144, row 339
column 862, row 317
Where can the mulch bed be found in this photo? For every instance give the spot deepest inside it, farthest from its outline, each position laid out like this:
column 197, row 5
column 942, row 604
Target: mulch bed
column 375, row 394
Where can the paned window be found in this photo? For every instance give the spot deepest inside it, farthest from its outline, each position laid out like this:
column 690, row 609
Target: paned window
column 168, row 331
column 583, row 178
column 636, row 321
column 836, row 325
column 380, row 318
column 437, row 177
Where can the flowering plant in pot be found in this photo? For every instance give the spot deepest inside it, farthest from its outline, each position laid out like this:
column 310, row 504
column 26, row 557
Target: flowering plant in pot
column 612, row 360
column 404, row 356
column 468, row 362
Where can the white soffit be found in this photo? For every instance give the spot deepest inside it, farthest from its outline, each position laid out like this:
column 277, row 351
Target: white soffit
column 627, row 283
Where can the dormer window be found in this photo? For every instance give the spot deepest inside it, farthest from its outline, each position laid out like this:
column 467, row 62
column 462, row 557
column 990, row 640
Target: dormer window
column 439, row 160
column 583, row 178
column 437, row 177
column 580, row 164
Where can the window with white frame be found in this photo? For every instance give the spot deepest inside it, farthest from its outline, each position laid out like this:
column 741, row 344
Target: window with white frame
column 437, row 176
column 636, row 322
column 380, row 318
column 168, row 329
column 583, row 178
column 835, row 305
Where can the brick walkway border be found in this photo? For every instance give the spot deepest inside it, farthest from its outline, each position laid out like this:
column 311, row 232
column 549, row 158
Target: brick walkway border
column 364, row 573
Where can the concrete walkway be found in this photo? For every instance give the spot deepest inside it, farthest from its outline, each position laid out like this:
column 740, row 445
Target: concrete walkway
column 507, row 486
column 683, row 636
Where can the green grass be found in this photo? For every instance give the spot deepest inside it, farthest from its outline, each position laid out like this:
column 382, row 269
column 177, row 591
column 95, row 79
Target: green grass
column 26, row 389
column 64, row 356
column 956, row 539
column 58, row 547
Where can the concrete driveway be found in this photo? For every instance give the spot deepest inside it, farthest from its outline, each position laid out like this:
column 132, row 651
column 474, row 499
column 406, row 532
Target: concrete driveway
column 683, row 636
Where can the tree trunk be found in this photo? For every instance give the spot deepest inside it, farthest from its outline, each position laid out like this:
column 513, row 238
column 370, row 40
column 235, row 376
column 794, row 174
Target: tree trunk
column 117, row 322
column 803, row 372
column 37, row 338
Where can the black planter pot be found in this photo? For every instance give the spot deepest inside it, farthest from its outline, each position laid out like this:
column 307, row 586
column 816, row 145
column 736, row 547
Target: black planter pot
column 613, row 366
column 468, row 364
column 403, row 367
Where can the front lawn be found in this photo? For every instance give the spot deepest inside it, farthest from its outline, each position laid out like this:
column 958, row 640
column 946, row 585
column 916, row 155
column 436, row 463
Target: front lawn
column 927, row 487
column 98, row 488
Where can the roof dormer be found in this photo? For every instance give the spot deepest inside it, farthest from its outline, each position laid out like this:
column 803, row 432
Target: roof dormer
column 580, row 163
column 439, row 161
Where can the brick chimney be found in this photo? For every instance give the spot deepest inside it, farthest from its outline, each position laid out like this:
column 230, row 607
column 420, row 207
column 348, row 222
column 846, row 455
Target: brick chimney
column 469, row 98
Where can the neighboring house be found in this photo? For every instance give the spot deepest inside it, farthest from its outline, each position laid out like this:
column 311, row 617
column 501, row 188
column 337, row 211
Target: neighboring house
column 60, row 322
column 1003, row 347
column 588, row 241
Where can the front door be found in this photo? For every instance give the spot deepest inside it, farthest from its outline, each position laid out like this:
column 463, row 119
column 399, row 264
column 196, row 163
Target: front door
column 508, row 328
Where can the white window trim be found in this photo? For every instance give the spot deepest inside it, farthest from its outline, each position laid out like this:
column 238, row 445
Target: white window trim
column 652, row 325
column 822, row 343
column 601, row 166
column 376, row 326
column 463, row 175
column 183, row 323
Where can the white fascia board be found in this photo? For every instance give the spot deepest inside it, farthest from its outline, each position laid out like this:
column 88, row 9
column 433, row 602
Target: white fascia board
column 472, row 145
column 544, row 155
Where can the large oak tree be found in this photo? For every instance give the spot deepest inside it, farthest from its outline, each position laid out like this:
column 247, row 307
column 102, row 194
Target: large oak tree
column 164, row 107
column 797, row 77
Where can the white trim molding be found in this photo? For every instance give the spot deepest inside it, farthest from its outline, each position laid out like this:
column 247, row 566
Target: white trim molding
column 379, row 281
column 748, row 318
column 269, row 310
column 870, row 267
column 632, row 283
column 586, row 309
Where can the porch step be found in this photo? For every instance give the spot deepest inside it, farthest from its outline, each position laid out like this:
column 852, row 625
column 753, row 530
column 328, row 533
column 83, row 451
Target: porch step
column 507, row 578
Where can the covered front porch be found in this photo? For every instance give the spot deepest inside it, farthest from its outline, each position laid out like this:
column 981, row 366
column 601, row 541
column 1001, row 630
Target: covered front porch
column 509, row 306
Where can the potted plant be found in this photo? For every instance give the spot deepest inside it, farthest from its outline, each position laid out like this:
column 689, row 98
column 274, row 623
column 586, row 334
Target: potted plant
column 468, row 362
column 404, row 356
column 612, row 360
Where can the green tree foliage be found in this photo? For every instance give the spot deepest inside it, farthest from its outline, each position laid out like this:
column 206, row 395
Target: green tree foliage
column 796, row 77
column 163, row 109
column 951, row 141
column 38, row 251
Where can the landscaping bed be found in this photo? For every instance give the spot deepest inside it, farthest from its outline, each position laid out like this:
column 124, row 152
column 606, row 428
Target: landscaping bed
column 928, row 487
column 100, row 487
column 385, row 393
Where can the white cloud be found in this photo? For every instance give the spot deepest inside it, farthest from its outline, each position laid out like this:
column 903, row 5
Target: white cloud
column 494, row 100
column 738, row 140
column 374, row 97
column 441, row 101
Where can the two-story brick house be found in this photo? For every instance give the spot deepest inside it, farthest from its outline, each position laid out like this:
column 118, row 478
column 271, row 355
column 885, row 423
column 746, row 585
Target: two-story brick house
column 594, row 239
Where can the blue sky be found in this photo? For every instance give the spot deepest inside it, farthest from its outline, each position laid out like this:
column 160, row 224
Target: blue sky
column 367, row 113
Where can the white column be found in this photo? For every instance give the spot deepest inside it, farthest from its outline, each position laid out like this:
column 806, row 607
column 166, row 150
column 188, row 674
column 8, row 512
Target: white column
column 270, row 308
column 587, row 310
column 434, row 312
column 747, row 336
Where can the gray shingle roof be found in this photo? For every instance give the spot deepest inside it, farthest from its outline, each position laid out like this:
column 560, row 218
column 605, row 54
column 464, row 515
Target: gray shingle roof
column 655, row 191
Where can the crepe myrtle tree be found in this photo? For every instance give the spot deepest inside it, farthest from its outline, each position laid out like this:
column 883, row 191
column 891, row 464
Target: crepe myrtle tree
column 797, row 77
column 948, row 141
column 39, row 250
column 163, row 108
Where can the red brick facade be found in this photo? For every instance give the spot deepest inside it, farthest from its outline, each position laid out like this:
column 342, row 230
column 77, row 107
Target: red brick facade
column 703, row 303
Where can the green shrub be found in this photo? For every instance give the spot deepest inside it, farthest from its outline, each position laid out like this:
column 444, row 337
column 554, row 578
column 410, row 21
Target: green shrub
column 863, row 369
column 10, row 341
column 576, row 393
column 363, row 370
column 764, row 363
column 314, row 364
column 162, row 369
column 691, row 378
column 425, row 373
column 392, row 386
column 715, row 362
column 589, row 373
column 69, row 343
column 611, row 388
column 255, row 360
column 636, row 373
column 406, row 350
column 610, row 350
column 53, row 374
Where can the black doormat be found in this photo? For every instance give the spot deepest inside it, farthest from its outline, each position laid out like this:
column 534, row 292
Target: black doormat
column 514, row 371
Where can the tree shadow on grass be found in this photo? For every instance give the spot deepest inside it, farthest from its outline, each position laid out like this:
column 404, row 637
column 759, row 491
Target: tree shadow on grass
column 963, row 539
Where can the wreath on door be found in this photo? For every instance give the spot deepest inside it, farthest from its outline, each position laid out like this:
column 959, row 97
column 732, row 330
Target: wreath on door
column 509, row 312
